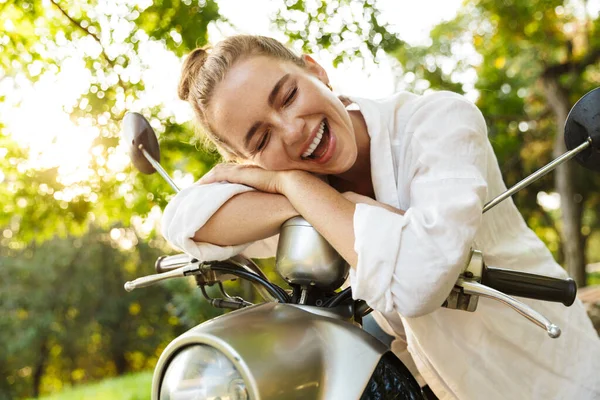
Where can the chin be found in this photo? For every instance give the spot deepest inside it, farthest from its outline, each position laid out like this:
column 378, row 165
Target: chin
column 345, row 166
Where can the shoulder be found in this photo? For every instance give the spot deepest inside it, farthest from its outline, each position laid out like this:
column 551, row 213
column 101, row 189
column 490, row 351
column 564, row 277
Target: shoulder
column 390, row 103
column 407, row 103
column 403, row 114
column 445, row 99
column 445, row 107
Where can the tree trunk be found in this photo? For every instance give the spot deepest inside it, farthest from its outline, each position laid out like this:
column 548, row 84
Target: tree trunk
column 570, row 201
column 38, row 371
column 120, row 362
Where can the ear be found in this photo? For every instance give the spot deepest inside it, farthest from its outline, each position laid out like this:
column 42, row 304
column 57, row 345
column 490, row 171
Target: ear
column 314, row 68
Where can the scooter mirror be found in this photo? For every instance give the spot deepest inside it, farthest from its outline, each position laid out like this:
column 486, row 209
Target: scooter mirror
column 583, row 123
column 137, row 131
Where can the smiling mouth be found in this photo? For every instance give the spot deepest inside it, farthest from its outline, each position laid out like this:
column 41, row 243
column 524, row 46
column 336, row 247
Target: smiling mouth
column 320, row 144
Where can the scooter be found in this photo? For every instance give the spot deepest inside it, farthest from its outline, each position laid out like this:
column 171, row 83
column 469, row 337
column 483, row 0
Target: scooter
column 307, row 342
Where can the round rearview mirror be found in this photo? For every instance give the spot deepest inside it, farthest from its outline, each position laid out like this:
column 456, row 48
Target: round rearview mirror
column 583, row 124
column 137, row 131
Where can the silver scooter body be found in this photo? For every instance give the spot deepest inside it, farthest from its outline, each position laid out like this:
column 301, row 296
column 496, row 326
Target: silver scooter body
column 284, row 351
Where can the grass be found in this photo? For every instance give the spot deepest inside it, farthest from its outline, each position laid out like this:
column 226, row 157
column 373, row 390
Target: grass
column 127, row 387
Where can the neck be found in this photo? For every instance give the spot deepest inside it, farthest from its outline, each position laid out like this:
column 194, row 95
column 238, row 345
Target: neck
column 358, row 177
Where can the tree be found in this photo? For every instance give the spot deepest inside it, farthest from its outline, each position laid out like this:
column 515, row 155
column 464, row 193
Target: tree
column 540, row 57
column 42, row 38
column 66, row 316
column 57, row 323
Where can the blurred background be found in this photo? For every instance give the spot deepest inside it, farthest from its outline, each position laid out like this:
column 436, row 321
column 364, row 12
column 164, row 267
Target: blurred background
column 76, row 221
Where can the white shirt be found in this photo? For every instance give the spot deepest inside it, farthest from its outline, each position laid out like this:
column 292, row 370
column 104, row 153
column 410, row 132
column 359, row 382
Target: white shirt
column 430, row 156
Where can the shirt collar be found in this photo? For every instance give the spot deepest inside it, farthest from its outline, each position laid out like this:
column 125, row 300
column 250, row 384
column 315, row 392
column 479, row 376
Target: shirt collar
column 377, row 116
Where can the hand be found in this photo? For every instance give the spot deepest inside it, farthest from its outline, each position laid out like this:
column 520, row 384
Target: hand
column 249, row 175
column 359, row 198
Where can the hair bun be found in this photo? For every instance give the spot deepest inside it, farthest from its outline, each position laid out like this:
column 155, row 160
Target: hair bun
column 191, row 67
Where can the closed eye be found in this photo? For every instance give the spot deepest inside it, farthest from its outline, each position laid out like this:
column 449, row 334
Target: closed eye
column 290, row 97
column 263, row 141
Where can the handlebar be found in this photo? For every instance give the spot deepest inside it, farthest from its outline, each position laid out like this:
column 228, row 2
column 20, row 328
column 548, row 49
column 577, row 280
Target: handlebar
column 181, row 265
column 479, row 280
column 169, row 263
column 533, row 286
column 495, row 283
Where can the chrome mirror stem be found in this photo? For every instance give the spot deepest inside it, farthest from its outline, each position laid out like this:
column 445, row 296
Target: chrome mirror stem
column 159, row 168
column 538, row 174
column 478, row 289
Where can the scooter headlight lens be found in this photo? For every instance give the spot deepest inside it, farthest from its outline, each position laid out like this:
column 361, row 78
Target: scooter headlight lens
column 202, row 372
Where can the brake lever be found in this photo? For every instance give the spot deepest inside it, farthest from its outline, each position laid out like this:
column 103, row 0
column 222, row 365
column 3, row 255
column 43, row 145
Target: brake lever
column 467, row 290
column 477, row 289
column 189, row 269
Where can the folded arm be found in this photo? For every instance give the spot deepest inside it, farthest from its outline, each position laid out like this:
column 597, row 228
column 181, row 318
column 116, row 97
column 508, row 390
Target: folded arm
column 219, row 220
column 246, row 217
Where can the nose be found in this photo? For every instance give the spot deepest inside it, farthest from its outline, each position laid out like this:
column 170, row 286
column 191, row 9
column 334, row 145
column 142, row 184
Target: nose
column 292, row 130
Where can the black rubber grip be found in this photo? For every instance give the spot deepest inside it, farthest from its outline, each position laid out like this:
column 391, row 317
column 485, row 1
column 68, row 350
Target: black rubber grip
column 532, row 286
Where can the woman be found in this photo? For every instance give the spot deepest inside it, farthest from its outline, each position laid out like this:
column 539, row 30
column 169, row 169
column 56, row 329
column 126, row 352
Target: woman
column 397, row 186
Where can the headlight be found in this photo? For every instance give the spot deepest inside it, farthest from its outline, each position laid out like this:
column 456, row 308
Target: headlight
column 202, row 372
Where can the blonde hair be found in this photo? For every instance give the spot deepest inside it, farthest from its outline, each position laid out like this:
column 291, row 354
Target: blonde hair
column 204, row 68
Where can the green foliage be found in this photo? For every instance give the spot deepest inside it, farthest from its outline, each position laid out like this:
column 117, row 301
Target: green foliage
column 127, row 387
column 320, row 24
column 27, row 202
column 107, row 39
column 66, row 317
column 181, row 24
column 520, row 44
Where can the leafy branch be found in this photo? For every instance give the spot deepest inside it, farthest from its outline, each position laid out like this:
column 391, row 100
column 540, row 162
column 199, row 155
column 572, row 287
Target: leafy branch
column 572, row 66
column 94, row 36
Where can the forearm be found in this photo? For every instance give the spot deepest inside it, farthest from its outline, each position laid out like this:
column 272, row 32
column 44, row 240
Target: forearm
column 329, row 212
column 246, row 217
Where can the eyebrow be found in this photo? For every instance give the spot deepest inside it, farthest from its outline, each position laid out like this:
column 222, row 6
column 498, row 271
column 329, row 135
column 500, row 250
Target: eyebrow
column 276, row 88
column 271, row 101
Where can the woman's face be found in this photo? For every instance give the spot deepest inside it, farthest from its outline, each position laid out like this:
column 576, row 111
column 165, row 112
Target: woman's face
column 280, row 116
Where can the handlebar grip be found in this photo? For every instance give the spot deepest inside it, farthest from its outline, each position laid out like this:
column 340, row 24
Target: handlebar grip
column 533, row 286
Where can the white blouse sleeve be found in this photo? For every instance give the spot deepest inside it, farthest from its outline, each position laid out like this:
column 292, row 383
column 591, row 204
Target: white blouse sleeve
column 191, row 208
column 409, row 263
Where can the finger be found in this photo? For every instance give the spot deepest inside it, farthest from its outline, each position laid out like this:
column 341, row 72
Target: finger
column 228, row 173
column 206, row 178
column 215, row 174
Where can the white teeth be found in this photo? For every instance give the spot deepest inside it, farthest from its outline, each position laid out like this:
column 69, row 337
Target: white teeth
column 315, row 141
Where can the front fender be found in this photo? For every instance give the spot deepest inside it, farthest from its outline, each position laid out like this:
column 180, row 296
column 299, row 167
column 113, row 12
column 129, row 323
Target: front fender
column 285, row 352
